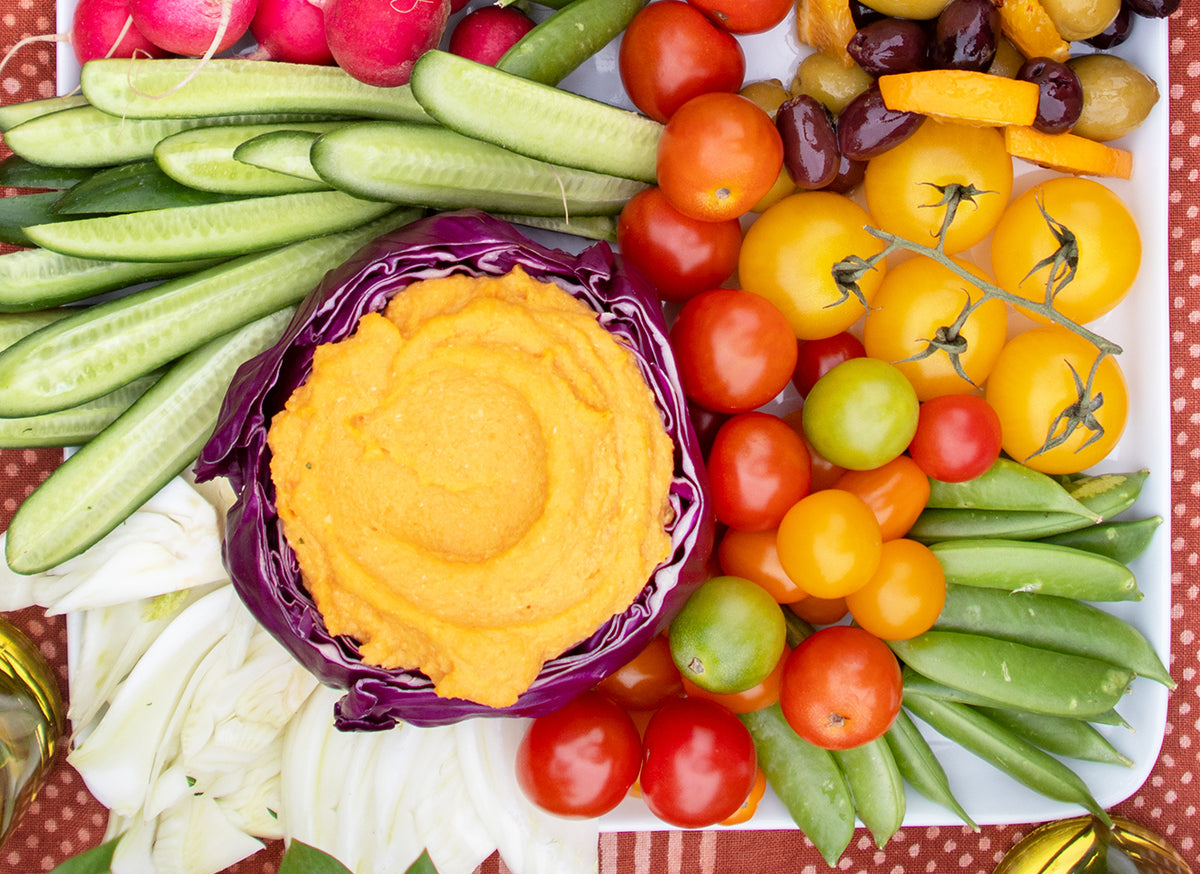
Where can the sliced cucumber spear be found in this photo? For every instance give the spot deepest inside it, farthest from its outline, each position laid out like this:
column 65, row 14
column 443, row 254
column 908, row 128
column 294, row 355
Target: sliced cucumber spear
column 533, row 119
column 437, row 167
column 210, row 230
column 223, row 86
column 74, row 426
column 97, row 488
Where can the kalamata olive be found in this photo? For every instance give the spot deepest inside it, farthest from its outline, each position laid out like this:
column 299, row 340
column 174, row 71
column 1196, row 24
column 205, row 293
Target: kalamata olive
column 810, row 146
column 1060, row 96
column 1078, row 20
column 890, row 45
column 1119, row 30
column 1153, row 8
column 825, row 78
column 965, row 35
column 866, row 127
column 849, row 175
column 1117, row 96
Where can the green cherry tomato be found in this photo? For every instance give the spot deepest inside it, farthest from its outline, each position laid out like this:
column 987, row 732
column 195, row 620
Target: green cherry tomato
column 729, row 635
column 861, row 414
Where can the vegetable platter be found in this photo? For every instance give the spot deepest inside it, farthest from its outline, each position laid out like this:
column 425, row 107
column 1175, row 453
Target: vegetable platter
column 1139, row 326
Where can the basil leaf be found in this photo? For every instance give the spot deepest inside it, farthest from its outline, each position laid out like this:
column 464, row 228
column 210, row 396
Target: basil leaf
column 97, row 860
column 300, row 858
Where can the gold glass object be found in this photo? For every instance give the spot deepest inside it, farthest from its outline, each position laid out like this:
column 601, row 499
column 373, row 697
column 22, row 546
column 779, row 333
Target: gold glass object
column 31, row 723
column 1085, row 845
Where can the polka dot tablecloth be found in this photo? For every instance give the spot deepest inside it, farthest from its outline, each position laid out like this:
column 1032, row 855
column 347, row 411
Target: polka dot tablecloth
column 65, row 819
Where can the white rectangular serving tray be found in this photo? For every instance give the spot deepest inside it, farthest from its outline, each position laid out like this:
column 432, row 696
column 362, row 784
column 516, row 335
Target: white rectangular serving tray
column 1140, row 325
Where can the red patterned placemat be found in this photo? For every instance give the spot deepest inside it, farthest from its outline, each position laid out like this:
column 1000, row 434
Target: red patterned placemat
column 66, row 819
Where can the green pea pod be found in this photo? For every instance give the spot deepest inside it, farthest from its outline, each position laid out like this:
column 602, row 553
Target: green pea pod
column 1016, row 674
column 806, row 779
column 1059, row 735
column 1006, row 751
column 1007, row 485
column 1045, row 568
column 1120, row 540
column 920, row 768
column 922, row 685
column 876, row 787
column 1062, row 624
column 1102, row 495
column 560, row 43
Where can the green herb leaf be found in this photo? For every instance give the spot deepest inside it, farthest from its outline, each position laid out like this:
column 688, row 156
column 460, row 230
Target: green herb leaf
column 300, row 858
column 97, row 860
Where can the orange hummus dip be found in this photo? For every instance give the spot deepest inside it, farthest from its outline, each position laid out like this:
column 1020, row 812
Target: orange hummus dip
column 474, row 481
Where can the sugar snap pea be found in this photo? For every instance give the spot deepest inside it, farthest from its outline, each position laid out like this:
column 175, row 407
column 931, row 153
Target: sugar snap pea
column 807, row 780
column 920, row 768
column 1062, row 624
column 559, row 44
column 922, row 685
column 1016, row 674
column 1102, row 495
column 1122, row 540
column 1023, row 566
column 876, row 787
column 1006, row 751
column 1007, row 485
column 1073, row 738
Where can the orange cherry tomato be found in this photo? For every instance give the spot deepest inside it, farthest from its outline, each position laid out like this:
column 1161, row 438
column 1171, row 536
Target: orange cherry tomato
column 750, row 805
column 906, row 594
column 820, row 611
column 896, row 492
column 829, row 543
column 646, row 681
column 718, row 155
column 753, row 555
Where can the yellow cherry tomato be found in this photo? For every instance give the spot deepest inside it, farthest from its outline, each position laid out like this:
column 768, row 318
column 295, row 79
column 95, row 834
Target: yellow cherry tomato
column 914, row 323
column 789, row 254
column 1063, row 220
column 829, row 543
column 903, row 186
column 905, row 595
column 1056, row 416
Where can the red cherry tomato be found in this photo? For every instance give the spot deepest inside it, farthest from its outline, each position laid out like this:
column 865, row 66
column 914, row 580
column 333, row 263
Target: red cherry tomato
column 958, row 437
column 699, row 763
column 758, row 469
column 647, row 681
column 735, row 350
column 718, row 156
column 671, row 52
column 682, row 256
column 841, row 688
column 745, row 16
column 580, row 760
column 815, row 358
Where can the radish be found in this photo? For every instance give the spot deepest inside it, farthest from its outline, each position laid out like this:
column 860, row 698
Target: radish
column 487, row 33
column 99, row 29
column 291, row 31
column 193, row 27
column 378, row 41
column 458, row 5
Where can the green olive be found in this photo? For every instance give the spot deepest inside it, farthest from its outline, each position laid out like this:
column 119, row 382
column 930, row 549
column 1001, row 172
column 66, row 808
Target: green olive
column 829, row 81
column 1008, row 59
column 768, row 94
column 1117, row 96
column 1081, row 19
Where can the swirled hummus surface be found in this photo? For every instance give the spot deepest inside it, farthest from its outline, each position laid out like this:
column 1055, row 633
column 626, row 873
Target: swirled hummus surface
column 474, row 481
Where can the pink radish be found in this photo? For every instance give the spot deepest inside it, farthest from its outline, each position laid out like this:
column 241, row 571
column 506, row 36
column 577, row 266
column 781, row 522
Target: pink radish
column 485, row 34
column 193, row 27
column 99, row 29
column 378, row 41
column 458, row 5
column 291, row 31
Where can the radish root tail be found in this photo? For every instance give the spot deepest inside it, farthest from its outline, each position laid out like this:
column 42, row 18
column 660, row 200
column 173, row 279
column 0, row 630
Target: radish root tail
column 222, row 26
column 29, row 40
